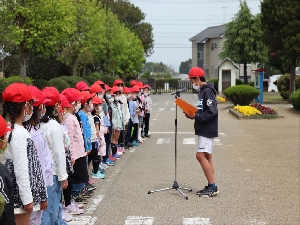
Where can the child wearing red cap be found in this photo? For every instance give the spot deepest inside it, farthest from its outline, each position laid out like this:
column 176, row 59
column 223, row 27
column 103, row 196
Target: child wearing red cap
column 6, row 201
column 32, row 125
column 148, row 106
column 28, row 189
column 134, row 111
column 55, row 139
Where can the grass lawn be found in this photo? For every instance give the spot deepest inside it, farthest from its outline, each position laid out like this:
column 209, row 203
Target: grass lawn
column 273, row 96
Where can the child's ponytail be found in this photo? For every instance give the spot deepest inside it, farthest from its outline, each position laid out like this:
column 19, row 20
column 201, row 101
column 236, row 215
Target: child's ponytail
column 13, row 109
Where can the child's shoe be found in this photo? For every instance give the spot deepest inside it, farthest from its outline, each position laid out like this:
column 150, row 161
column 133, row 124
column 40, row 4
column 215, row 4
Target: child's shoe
column 116, row 156
column 109, row 162
column 209, row 192
column 134, row 143
column 91, row 181
column 79, row 200
column 147, row 135
column 112, row 158
column 66, row 216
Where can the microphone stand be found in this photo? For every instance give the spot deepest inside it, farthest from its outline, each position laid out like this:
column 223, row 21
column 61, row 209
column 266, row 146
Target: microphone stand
column 175, row 185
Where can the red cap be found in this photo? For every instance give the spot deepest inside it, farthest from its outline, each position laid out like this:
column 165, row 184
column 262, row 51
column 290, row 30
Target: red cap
column 86, row 96
column 99, row 82
column 133, row 82
column 96, row 100
column 196, row 72
column 140, row 84
column 147, row 86
column 64, row 102
column 135, row 88
column 107, row 88
column 82, row 86
column 17, row 92
column 71, row 94
column 95, row 88
column 126, row 90
column 4, row 127
column 115, row 89
column 52, row 96
column 118, row 81
column 38, row 96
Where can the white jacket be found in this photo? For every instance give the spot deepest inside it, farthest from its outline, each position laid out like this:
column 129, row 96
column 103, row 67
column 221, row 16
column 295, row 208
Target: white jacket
column 126, row 114
column 55, row 139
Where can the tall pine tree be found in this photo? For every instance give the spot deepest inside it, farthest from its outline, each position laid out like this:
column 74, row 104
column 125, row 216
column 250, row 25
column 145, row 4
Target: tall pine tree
column 244, row 39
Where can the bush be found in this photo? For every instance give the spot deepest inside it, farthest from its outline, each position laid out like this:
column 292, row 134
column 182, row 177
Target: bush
column 283, row 85
column 14, row 79
column 40, row 83
column 59, row 83
column 238, row 82
column 90, row 79
column 108, row 79
column 216, row 83
column 73, row 80
column 295, row 99
column 241, row 94
column 3, row 85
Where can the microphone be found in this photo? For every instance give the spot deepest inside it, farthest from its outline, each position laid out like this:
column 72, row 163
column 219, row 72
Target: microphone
column 179, row 91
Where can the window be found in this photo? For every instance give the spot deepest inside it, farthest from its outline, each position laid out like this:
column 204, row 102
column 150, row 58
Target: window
column 215, row 45
column 212, row 46
column 200, row 55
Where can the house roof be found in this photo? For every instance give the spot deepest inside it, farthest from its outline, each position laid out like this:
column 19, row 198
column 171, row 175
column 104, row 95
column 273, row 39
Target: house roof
column 210, row 32
column 226, row 59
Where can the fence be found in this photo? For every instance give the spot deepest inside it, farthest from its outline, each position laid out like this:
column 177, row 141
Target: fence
column 168, row 85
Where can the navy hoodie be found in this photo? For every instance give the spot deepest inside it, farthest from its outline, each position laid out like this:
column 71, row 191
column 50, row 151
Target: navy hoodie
column 206, row 118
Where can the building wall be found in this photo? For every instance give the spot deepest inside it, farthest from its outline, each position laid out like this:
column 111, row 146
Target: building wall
column 200, row 55
column 213, row 48
column 227, row 65
column 194, row 54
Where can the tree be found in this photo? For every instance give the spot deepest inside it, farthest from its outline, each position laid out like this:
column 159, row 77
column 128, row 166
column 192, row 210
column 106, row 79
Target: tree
column 185, row 66
column 38, row 26
column 88, row 39
column 132, row 17
column 281, row 26
column 244, row 39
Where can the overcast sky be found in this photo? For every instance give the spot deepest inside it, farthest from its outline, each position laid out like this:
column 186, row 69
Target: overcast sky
column 175, row 21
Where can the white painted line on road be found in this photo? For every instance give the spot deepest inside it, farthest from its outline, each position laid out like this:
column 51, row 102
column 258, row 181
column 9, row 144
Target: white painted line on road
column 161, row 109
column 154, row 103
column 217, row 141
column 172, row 109
column 82, row 220
column 189, row 141
column 223, row 134
column 154, row 119
column 255, row 222
column 196, row 221
column 172, row 132
column 91, row 209
column 163, row 140
column 139, row 220
column 132, row 150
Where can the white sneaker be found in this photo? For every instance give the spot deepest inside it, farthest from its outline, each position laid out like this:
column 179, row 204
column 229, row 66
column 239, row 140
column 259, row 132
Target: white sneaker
column 73, row 209
column 66, row 216
column 120, row 153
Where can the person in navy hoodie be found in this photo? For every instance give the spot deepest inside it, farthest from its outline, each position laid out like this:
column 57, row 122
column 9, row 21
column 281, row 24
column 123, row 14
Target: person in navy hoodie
column 206, row 127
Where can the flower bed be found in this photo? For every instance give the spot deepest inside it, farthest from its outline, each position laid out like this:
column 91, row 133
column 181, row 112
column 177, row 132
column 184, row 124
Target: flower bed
column 256, row 111
column 221, row 99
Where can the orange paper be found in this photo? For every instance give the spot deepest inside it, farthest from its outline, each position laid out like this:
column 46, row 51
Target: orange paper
column 186, row 107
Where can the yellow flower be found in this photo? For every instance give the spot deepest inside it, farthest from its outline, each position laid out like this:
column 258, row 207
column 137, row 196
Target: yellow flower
column 247, row 110
column 221, row 99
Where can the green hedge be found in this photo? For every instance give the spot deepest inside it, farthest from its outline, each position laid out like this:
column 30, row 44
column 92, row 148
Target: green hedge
column 295, row 99
column 40, row 83
column 73, row 80
column 283, row 85
column 90, row 79
column 59, row 83
column 3, row 85
column 241, row 94
column 14, row 79
column 215, row 81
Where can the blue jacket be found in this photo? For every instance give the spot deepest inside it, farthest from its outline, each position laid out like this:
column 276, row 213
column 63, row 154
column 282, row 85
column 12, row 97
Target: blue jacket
column 86, row 130
column 206, row 118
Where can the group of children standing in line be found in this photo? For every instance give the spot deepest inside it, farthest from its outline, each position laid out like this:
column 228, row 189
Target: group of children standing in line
column 52, row 139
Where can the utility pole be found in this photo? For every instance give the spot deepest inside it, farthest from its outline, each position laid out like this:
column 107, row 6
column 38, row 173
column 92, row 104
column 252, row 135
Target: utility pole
column 224, row 14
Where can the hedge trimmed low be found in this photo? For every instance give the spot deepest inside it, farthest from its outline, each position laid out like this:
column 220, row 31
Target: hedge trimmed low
column 59, row 83
column 40, row 83
column 241, row 94
column 295, row 99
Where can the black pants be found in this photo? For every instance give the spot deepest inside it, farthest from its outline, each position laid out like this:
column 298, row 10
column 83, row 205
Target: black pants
column 94, row 158
column 67, row 195
column 135, row 132
column 122, row 137
column 146, row 121
column 128, row 132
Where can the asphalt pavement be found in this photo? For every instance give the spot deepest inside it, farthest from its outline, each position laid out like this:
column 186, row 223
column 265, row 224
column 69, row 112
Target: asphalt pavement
column 256, row 170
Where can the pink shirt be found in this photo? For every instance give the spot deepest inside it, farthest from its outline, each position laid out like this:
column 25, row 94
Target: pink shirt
column 75, row 134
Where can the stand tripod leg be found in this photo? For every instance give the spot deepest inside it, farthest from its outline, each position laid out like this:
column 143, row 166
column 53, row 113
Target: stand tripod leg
column 163, row 189
column 187, row 189
column 186, row 197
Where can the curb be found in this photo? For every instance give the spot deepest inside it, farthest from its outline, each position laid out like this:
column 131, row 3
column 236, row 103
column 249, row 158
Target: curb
column 239, row 115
